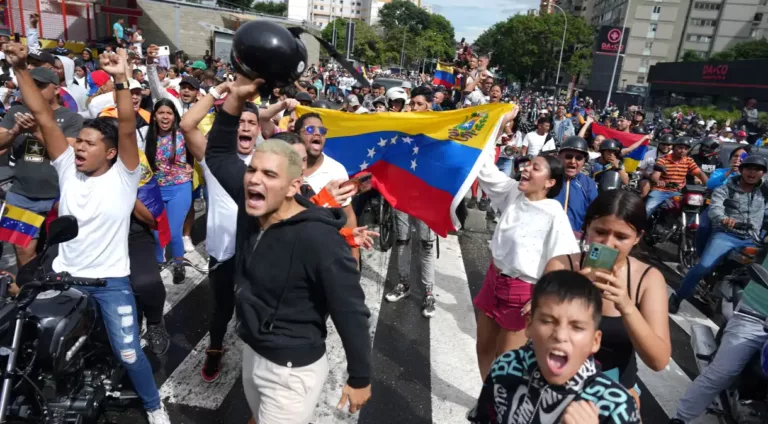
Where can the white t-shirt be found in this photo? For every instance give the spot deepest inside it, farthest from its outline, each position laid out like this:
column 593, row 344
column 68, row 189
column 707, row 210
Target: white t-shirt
column 528, row 234
column 328, row 171
column 101, row 102
column 221, row 223
column 535, row 142
column 103, row 206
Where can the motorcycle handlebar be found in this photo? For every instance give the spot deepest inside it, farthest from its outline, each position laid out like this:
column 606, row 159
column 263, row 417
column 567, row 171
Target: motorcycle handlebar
column 742, row 226
column 65, row 278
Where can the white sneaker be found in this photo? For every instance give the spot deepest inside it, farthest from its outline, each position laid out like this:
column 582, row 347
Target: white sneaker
column 188, row 245
column 158, row 416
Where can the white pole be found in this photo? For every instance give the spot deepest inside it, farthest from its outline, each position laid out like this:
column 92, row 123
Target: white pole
column 618, row 54
column 562, row 46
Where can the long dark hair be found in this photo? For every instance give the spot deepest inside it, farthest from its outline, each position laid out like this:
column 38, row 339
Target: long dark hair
column 153, row 133
column 557, row 173
column 622, row 204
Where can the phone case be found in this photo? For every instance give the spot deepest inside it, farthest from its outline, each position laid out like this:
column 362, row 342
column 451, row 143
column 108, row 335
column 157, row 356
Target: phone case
column 600, row 256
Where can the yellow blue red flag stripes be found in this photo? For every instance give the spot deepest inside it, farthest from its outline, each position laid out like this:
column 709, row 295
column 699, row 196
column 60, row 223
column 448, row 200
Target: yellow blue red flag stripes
column 422, row 163
column 19, row 226
column 633, row 158
column 444, row 76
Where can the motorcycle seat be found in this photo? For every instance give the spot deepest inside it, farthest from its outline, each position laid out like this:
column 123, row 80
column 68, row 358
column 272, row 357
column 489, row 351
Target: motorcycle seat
column 693, row 188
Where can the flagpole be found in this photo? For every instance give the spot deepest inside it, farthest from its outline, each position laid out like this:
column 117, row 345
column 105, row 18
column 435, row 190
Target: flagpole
column 618, row 54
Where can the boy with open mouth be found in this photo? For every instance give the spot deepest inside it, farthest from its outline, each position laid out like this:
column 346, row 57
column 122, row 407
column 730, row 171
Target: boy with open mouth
column 554, row 378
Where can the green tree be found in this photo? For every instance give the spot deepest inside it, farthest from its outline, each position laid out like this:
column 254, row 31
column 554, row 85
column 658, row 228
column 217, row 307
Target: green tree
column 527, row 47
column 690, row 56
column 407, row 27
column 367, row 42
column 276, row 8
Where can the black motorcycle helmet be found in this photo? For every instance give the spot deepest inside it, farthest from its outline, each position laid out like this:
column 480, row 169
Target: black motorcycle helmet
column 667, row 139
column 638, row 129
column 682, row 141
column 755, row 160
column 264, row 49
column 575, row 142
column 322, row 104
column 611, row 144
column 709, row 146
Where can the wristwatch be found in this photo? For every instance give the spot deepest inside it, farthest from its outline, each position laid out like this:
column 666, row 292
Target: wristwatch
column 121, row 86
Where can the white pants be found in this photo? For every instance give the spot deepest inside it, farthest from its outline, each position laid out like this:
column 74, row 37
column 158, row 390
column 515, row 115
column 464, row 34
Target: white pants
column 280, row 394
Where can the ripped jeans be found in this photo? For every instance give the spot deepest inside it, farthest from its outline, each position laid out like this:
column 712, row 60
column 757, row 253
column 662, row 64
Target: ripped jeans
column 117, row 307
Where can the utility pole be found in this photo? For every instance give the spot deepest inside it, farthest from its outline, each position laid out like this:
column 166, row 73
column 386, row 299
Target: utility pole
column 618, row 54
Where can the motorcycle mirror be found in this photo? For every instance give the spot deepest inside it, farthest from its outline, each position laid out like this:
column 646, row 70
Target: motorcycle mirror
column 62, row 229
column 758, row 274
column 730, row 203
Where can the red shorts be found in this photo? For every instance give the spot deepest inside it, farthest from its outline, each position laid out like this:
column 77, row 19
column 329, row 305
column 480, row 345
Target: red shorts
column 502, row 299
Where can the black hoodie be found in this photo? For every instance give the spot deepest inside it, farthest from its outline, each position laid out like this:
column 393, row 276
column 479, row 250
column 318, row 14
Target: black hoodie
column 290, row 277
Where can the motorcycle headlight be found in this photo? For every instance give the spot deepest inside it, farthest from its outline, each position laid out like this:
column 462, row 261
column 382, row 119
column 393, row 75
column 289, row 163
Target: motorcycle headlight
column 509, row 150
column 694, row 200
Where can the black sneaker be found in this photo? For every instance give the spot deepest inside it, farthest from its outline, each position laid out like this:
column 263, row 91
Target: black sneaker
column 212, row 365
column 179, row 273
column 158, row 338
column 471, row 203
column 400, row 291
column 483, row 204
column 428, row 306
column 674, row 303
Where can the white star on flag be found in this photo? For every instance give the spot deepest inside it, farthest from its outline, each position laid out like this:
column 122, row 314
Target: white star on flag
column 383, row 142
column 407, row 140
column 394, row 140
column 371, row 152
column 413, row 164
column 363, row 165
column 416, row 150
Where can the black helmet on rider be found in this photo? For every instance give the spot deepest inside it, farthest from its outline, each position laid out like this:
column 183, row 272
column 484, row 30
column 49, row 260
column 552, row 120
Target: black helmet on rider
column 321, row 104
column 638, row 129
column 667, row 139
column 611, row 144
column 754, row 161
column 682, row 141
column 576, row 143
column 709, row 146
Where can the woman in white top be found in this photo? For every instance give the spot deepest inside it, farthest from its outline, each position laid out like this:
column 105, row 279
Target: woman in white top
column 533, row 229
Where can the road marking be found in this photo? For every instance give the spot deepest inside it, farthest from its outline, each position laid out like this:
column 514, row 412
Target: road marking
column 456, row 380
column 688, row 315
column 373, row 279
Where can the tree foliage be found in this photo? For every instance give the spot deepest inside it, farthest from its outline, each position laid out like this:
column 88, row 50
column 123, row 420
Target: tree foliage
column 527, row 47
column 367, row 43
column 751, row 49
column 406, row 26
column 690, row 56
column 276, row 8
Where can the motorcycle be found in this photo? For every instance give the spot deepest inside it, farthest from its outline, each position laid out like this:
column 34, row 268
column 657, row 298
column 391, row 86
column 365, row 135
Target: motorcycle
column 746, row 400
column 59, row 366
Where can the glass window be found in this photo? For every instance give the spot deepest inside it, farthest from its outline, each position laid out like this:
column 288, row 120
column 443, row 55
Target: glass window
column 656, row 9
column 641, row 79
column 653, row 27
column 649, row 44
column 758, row 17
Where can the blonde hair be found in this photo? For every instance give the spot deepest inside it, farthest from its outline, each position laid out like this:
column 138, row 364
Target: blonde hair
column 285, row 150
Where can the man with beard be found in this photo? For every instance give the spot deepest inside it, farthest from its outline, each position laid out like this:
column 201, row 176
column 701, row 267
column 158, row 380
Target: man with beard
column 622, row 123
column 579, row 190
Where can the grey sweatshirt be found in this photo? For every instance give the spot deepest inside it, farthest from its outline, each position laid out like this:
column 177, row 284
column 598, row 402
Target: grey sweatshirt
column 751, row 206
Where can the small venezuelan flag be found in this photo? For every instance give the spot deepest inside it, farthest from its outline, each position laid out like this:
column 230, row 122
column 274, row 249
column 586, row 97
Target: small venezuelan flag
column 19, row 226
column 633, row 158
column 422, row 163
column 444, row 76
column 149, row 194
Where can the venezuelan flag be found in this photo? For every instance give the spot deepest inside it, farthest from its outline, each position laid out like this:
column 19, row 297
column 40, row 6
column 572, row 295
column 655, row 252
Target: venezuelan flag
column 67, row 100
column 444, row 76
column 361, row 69
column 422, row 163
column 19, row 226
column 633, row 159
column 149, row 194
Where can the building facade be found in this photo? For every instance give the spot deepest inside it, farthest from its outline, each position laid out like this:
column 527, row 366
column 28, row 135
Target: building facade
column 322, row 12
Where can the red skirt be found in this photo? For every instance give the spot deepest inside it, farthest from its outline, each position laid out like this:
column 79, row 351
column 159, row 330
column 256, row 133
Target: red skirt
column 502, row 299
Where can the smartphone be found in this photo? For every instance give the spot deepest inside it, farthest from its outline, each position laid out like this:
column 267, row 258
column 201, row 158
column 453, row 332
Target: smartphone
column 163, row 51
column 600, row 256
column 361, row 181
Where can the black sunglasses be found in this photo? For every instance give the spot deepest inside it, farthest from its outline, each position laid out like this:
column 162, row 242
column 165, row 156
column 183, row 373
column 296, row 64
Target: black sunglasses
column 571, row 156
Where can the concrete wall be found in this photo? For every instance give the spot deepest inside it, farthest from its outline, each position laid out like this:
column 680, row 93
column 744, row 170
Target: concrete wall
column 178, row 25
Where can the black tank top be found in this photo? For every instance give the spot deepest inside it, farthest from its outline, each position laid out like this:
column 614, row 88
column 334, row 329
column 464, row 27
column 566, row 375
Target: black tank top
column 616, row 350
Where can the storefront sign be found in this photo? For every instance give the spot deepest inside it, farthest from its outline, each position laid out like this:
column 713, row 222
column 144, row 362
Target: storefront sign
column 611, row 39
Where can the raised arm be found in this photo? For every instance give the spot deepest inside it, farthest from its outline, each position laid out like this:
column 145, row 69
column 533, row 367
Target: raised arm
column 193, row 137
column 585, row 127
column 53, row 137
column 115, row 64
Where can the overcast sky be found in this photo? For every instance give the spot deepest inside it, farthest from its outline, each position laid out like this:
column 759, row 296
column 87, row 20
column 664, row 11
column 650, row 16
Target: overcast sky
column 471, row 17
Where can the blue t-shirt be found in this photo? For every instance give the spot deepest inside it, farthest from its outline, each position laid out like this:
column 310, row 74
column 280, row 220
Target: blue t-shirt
column 581, row 191
column 118, row 29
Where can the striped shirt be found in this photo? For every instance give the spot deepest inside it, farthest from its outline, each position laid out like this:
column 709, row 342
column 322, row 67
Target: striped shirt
column 677, row 170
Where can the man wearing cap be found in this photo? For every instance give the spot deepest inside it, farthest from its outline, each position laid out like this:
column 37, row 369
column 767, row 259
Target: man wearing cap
column 41, row 58
column 726, row 136
column 579, row 190
column 353, row 105
column 562, row 125
column 36, row 184
column 622, row 123
column 304, row 98
column 741, row 137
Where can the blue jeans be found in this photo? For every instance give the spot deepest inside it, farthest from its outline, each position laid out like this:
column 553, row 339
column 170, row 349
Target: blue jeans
column 718, row 248
column 38, row 206
column 117, row 307
column 504, row 165
column 177, row 199
column 656, row 198
column 703, row 232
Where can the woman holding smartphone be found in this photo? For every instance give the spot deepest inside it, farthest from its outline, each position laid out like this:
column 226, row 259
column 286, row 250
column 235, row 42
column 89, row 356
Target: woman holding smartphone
column 635, row 315
column 532, row 228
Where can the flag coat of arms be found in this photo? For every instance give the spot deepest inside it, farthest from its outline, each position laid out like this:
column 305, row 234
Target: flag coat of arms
column 633, row 158
column 422, row 163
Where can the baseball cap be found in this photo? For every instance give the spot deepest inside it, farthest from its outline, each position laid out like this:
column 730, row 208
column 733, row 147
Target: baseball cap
column 41, row 74
column 622, row 116
column 191, row 81
column 99, row 77
column 352, row 100
column 727, row 129
column 199, row 64
column 132, row 83
column 407, row 84
column 43, row 56
column 741, row 133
